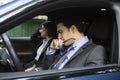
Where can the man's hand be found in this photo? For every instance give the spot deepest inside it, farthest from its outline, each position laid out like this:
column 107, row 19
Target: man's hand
column 29, row 69
column 55, row 44
column 33, row 69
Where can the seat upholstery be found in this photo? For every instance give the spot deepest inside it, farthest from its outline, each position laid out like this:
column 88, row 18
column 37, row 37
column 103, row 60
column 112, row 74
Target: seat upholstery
column 100, row 31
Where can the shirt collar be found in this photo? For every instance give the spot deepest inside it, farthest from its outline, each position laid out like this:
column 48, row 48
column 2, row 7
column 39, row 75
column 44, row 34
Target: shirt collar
column 81, row 42
column 45, row 40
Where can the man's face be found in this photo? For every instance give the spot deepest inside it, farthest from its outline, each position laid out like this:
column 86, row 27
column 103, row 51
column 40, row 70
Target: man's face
column 63, row 32
column 43, row 32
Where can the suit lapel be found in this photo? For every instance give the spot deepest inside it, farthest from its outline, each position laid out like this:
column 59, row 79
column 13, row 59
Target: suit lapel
column 81, row 50
column 44, row 49
column 48, row 43
column 37, row 48
column 77, row 53
column 39, row 45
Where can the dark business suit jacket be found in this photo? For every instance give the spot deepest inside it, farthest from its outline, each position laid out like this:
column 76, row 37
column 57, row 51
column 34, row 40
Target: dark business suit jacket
column 88, row 55
column 44, row 61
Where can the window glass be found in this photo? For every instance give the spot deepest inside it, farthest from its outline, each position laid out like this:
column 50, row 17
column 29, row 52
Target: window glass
column 28, row 28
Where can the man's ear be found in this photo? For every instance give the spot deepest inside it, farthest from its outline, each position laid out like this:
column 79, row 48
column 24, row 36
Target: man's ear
column 73, row 28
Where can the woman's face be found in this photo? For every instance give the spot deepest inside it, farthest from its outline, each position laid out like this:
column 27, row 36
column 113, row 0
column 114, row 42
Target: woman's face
column 43, row 32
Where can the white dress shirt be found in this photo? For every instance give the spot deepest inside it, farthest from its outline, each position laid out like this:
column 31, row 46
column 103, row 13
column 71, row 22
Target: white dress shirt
column 40, row 49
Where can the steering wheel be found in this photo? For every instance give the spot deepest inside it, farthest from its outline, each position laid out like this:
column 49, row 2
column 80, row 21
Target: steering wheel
column 13, row 59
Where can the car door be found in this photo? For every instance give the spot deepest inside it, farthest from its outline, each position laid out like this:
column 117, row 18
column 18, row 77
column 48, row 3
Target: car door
column 108, row 72
column 98, row 72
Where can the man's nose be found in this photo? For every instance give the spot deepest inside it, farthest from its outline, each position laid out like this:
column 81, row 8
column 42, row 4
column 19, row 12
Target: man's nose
column 59, row 36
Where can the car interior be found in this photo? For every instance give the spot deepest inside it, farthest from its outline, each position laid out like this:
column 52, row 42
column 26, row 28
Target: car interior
column 101, row 27
column 101, row 30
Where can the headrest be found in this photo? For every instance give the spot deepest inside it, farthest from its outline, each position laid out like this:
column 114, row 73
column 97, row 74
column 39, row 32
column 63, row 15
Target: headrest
column 100, row 29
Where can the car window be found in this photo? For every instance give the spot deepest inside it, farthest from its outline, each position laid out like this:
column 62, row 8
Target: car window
column 101, row 24
column 100, row 30
column 98, row 20
column 26, row 29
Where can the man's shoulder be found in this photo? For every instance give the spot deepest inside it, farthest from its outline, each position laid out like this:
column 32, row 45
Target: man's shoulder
column 96, row 49
column 90, row 46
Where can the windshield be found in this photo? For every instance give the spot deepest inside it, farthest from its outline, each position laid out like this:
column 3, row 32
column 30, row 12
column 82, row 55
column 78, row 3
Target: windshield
column 3, row 2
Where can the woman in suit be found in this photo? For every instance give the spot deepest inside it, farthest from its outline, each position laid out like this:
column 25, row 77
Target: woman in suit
column 48, row 32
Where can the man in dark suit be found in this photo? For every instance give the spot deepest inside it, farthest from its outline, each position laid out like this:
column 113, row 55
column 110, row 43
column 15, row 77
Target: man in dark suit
column 47, row 32
column 75, row 49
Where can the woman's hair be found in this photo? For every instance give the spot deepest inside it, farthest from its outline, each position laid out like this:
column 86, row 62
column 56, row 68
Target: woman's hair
column 51, row 28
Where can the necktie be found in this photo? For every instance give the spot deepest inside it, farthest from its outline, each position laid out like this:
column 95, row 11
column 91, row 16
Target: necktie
column 63, row 60
column 62, row 51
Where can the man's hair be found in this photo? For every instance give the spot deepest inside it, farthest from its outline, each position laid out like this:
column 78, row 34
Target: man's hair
column 69, row 20
column 51, row 28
